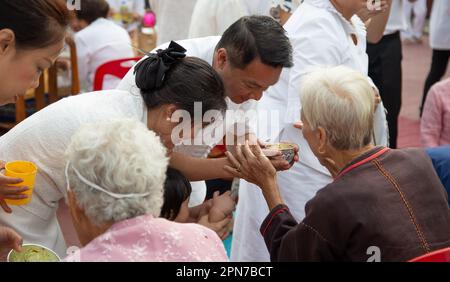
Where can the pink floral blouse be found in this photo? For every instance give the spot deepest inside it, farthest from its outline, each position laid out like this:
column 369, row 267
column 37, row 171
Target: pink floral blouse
column 149, row 239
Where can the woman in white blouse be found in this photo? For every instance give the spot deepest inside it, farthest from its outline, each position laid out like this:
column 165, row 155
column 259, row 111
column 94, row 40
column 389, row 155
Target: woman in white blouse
column 43, row 137
column 323, row 33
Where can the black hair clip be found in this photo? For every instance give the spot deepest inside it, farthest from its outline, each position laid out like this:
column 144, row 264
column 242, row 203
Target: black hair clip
column 150, row 72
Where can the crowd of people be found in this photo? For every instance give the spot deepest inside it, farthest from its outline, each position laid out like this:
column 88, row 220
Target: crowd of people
column 131, row 160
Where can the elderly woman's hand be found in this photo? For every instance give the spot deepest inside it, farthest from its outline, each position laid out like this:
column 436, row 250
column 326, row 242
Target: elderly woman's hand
column 9, row 239
column 251, row 164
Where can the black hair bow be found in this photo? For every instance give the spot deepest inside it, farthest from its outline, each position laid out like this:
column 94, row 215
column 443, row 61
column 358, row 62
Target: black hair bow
column 151, row 72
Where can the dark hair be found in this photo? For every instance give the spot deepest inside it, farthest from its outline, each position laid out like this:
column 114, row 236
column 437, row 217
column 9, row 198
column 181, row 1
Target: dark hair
column 163, row 79
column 92, row 10
column 37, row 23
column 177, row 189
column 257, row 37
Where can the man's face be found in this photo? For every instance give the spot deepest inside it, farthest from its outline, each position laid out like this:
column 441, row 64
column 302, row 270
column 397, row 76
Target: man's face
column 248, row 83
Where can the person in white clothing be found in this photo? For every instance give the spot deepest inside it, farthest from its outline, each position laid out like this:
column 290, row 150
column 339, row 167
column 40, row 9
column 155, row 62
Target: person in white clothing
column 414, row 30
column 440, row 43
column 173, row 18
column 249, row 57
column 208, row 18
column 44, row 137
column 323, row 33
column 98, row 41
column 385, row 67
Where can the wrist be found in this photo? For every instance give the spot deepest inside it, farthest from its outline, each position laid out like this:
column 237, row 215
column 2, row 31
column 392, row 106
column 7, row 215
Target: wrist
column 272, row 195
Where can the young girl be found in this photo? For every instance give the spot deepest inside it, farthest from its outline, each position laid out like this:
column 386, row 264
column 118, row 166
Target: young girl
column 177, row 190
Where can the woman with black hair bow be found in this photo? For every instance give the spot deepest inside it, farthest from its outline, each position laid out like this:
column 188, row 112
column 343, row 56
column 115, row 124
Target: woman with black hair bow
column 168, row 81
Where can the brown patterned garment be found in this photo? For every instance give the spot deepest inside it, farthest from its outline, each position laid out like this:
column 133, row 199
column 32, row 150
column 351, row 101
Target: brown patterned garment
column 392, row 200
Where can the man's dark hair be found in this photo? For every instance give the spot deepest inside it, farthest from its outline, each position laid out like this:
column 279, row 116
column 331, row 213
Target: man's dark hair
column 257, row 37
column 91, row 10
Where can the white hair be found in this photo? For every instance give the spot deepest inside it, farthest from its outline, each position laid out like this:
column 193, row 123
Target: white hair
column 122, row 157
column 341, row 101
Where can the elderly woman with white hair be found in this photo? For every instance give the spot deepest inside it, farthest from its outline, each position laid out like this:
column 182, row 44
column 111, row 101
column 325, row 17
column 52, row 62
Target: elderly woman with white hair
column 115, row 175
column 390, row 199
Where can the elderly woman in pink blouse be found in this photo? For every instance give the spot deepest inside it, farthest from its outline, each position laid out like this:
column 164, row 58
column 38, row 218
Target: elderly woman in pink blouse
column 115, row 174
column 435, row 125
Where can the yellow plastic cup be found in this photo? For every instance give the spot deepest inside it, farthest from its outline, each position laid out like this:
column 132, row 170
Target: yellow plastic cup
column 26, row 171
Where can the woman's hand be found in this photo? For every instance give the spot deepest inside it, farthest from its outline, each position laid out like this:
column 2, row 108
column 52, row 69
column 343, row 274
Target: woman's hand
column 9, row 239
column 8, row 192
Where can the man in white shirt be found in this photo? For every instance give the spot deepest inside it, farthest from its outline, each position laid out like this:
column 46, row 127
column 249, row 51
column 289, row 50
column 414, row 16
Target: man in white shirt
column 98, row 41
column 320, row 36
column 440, row 43
column 249, row 57
column 385, row 67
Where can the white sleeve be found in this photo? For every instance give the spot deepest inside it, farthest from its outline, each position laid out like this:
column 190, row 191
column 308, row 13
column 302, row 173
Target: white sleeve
column 316, row 44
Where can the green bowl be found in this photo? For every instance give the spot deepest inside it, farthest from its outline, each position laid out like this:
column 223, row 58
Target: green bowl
column 33, row 253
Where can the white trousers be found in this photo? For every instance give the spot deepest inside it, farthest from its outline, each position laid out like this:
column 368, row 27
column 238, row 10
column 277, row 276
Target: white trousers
column 415, row 26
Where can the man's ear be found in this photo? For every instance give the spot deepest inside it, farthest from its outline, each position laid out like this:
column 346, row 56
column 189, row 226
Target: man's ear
column 221, row 58
column 7, row 41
